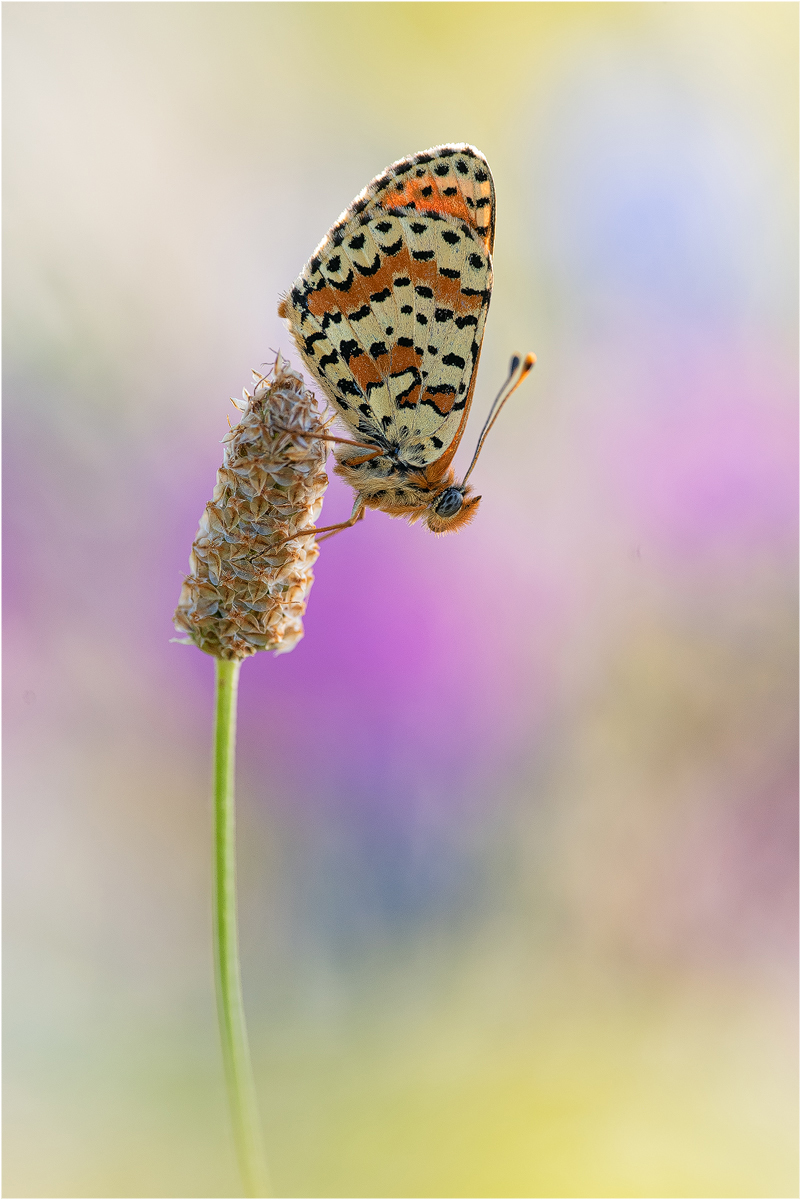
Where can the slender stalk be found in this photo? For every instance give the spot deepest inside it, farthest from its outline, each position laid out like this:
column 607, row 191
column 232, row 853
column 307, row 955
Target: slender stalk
column 233, row 1033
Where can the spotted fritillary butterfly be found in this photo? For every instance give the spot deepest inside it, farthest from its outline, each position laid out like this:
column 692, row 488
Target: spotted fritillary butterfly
column 388, row 315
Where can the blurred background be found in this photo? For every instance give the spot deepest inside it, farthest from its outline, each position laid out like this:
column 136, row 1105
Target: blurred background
column 518, row 817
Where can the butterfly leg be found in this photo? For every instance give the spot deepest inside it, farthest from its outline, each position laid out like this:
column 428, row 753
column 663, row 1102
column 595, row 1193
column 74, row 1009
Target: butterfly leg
column 363, row 458
column 327, row 437
column 330, row 530
column 355, row 516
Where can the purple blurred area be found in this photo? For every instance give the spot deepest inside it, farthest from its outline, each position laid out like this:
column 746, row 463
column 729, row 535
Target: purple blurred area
column 518, row 817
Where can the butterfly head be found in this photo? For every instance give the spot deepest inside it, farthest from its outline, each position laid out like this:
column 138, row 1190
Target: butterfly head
column 451, row 509
column 453, row 506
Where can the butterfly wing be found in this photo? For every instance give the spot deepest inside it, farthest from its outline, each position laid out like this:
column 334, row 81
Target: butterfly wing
column 389, row 312
column 452, row 180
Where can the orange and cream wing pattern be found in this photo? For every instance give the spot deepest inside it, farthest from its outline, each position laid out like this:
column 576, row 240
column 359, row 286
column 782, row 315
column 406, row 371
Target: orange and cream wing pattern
column 389, row 312
column 454, row 181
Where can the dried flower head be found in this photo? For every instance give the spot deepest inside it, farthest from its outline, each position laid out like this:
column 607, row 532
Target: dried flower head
column 248, row 585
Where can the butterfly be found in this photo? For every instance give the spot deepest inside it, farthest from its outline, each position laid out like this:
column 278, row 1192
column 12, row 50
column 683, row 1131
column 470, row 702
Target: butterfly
column 388, row 315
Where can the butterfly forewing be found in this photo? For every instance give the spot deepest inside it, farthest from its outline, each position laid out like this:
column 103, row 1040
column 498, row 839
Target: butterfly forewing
column 452, row 180
column 389, row 316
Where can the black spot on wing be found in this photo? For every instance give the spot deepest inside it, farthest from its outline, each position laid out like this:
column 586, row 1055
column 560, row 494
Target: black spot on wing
column 454, row 360
column 372, row 268
column 345, row 286
column 349, row 349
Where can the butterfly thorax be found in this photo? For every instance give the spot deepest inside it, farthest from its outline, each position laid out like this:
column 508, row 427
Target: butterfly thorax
column 387, row 475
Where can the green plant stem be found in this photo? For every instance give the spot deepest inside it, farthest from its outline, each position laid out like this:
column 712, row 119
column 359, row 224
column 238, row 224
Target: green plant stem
column 233, row 1033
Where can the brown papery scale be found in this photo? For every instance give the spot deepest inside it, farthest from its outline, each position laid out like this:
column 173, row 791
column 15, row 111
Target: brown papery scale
column 248, row 585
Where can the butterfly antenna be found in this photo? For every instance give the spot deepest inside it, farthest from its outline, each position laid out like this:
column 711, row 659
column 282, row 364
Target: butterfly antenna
column 499, row 401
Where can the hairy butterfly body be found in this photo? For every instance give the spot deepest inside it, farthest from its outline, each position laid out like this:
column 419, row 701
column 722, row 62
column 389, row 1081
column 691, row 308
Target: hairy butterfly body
column 388, row 315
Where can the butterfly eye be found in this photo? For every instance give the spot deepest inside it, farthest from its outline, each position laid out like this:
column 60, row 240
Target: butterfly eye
column 449, row 503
